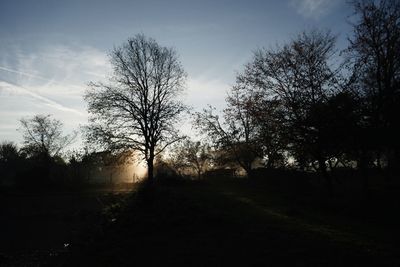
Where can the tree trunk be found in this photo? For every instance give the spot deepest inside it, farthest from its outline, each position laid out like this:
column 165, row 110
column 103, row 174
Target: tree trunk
column 150, row 170
column 150, row 167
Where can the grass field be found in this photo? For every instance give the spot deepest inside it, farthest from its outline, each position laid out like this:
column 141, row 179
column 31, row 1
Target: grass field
column 237, row 222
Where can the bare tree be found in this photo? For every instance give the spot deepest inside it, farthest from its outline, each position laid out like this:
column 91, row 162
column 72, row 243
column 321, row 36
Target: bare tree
column 301, row 75
column 267, row 119
column 191, row 155
column 198, row 155
column 251, row 128
column 375, row 53
column 237, row 133
column 43, row 135
column 139, row 107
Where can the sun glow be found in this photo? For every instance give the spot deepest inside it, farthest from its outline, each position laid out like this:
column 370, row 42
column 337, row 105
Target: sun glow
column 137, row 170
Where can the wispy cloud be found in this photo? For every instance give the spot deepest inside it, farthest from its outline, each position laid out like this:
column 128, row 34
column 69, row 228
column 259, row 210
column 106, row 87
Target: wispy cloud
column 313, row 8
column 202, row 92
column 46, row 80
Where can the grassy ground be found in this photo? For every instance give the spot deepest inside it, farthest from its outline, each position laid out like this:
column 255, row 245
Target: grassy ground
column 37, row 227
column 235, row 222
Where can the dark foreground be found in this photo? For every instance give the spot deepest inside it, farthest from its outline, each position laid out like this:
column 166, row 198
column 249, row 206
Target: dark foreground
column 232, row 222
column 37, row 227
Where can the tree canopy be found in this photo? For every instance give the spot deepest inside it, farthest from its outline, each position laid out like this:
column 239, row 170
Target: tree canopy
column 139, row 106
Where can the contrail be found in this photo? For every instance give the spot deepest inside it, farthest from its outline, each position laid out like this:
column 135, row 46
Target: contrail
column 30, row 75
column 6, row 85
column 25, row 74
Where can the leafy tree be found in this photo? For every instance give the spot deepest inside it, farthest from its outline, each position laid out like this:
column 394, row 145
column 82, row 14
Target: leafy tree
column 8, row 152
column 138, row 108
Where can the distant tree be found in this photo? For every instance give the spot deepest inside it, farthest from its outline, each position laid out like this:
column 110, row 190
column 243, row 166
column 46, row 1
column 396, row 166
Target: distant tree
column 8, row 152
column 191, row 155
column 139, row 107
column 236, row 134
column 10, row 161
column 174, row 161
column 43, row 135
column 90, row 161
column 374, row 51
column 86, row 165
column 43, row 143
column 198, row 155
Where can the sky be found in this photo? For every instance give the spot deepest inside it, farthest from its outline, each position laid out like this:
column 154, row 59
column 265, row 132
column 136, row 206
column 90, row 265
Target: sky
column 51, row 50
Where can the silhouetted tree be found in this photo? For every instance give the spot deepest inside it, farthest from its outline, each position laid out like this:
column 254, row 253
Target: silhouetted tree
column 139, row 107
column 302, row 75
column 11, row 161
column 375, row 52
column 236, row 134
column 252, row 127
column 43, row 142
column 8, row 152
column 43, row 136
column 339, row 129
column 267, row 117
column 191, row 155
column 198, row 155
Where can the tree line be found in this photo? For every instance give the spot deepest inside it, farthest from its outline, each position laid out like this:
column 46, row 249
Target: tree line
column 302, row 105
column 306, row 105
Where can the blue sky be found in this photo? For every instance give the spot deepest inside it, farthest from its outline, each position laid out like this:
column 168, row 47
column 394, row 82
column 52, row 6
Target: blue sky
column 50, row 50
